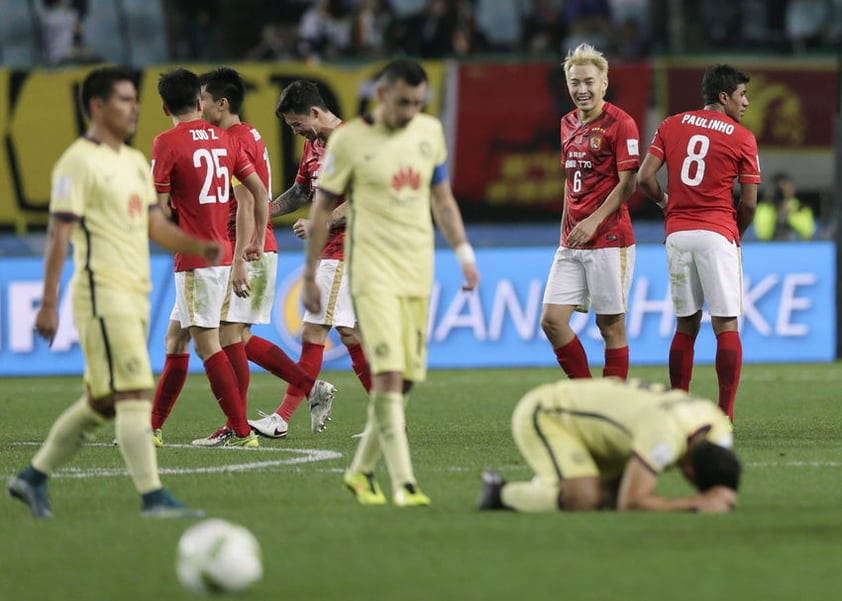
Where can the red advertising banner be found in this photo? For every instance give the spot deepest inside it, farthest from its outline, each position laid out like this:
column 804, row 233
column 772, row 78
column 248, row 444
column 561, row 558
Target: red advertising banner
column 791, row 106
column 507, row 130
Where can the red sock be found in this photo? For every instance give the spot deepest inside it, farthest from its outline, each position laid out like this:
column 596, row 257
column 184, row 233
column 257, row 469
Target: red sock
column 729, row 363
column 311, row 362
column 236, row 354
column 573, row 359
column 223, row 383
column 360, row 365
column 616, row 362
column 681, row 360
column 277, row 362
column 169, row 387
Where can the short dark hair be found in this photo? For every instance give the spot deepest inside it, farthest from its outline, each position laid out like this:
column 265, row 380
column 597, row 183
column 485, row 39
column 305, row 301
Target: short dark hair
column 299, row 97
column 721, row 78
column 99, row 83
column 403, row 69
column 179, row 89
column 225, row 82
column 714, row 465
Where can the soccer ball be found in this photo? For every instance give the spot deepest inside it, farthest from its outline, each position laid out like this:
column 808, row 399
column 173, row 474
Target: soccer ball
column 215, row 556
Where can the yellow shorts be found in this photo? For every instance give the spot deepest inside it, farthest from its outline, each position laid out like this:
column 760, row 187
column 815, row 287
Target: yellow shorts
column 552, row 450
column 394, row 333
column 116, row 357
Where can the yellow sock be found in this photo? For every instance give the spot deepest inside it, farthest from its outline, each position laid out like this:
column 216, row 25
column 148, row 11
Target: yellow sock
column 530, row 497
column 391, row 430
column 66, row 436
column 368, row 451
column 134, row 436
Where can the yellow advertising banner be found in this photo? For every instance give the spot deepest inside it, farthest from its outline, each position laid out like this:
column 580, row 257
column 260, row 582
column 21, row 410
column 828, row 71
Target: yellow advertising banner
column 39, row 118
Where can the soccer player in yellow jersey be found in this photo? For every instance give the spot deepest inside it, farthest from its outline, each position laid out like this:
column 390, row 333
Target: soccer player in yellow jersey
column 103, row 202
column 602, row 444
column 391, row 167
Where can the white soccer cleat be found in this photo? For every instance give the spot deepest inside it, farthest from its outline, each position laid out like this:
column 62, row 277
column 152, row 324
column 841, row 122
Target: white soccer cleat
column 270, row 425
column 217, row 439
column 321, row 400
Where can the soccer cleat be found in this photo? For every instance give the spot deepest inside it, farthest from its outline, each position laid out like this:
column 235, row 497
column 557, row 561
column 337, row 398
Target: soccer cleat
column 270, row 425
column 247, row 442
column 158, row 437
column 163, row 506
column 321, row 400
column 492, row 484
column 365, row 488
column 217, row 439
column 408, row 495
column 34, row 496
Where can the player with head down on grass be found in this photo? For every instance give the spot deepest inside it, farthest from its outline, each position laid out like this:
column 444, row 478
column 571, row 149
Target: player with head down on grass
column 603, row 444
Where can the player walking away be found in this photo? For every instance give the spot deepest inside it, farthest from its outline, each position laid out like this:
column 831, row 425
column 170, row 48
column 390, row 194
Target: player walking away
column 193, row 164
column 103, row 201
column 392, row 165
column 302, row 107
column 705, row 151
column 223, row 94
column 594, row 263
column 603, row 444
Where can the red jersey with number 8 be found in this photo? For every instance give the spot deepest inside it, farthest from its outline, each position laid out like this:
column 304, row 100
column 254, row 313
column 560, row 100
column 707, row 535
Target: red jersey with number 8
column 705, row 151
column 592, row 155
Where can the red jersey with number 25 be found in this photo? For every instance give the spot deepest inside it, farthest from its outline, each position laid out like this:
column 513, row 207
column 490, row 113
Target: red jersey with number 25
column 194, row 162
column 593, row 155
column 255, row 149
column 704, row 151
column 308, row 175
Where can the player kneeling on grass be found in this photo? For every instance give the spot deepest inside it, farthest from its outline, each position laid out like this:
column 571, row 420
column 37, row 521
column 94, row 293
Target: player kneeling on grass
column 602, row 444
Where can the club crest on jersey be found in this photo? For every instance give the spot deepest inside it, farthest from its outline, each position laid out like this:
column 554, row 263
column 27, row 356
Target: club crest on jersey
column 596, row 141
column 406, row 177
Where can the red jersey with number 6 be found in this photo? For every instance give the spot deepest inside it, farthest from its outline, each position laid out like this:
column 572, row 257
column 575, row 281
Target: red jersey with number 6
column 255, row 149
column 705, row 151
column 308, row 175
column 593, row 155
column 194, row 162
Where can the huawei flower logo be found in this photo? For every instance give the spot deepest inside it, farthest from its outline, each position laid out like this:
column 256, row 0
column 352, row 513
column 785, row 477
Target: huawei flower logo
column 406, row 177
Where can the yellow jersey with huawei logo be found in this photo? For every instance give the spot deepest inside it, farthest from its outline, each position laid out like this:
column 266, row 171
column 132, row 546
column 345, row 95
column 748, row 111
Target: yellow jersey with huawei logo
column 107, row 194
column 386, row 176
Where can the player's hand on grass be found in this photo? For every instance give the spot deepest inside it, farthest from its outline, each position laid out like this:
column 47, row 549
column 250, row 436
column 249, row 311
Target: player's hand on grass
column 718, row 499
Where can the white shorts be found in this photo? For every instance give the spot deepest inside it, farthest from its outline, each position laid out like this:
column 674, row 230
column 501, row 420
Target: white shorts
column 337, row 307
column 705, row 266
column 599, row 276
column 199, row 294
column 257, row 306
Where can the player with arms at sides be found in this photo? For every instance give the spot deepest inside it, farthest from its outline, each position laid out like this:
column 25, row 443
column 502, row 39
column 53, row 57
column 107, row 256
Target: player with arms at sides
column 391, row 167
column 192, row 165
column 594, row 262
column 103, row 202
column 705, row 151
column 302, row 107
column 223, row 94
column 603, row 444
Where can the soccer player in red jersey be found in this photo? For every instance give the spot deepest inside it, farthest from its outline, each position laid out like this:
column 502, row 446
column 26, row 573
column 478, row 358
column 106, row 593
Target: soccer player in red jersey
column 302, row 107
column 192, row 165
column 594, row 263
column 705, row 151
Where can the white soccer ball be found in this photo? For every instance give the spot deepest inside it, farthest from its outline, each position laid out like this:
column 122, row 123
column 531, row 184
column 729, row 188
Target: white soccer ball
column 215, row 556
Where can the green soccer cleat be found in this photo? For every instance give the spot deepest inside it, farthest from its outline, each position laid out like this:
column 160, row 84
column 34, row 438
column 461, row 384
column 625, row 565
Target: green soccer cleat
column 244, row 442
column 365, row 488
column 158, row 438
column 161, row 505
column 409, row 495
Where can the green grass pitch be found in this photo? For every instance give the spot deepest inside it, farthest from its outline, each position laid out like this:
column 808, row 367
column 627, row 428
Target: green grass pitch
column 783, row 543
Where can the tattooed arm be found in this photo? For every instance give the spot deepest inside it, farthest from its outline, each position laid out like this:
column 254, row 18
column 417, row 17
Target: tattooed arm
column 293, row 199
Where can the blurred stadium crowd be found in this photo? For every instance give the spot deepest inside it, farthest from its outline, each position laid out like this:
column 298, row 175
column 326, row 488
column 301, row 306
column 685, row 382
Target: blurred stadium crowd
column 139, row 32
